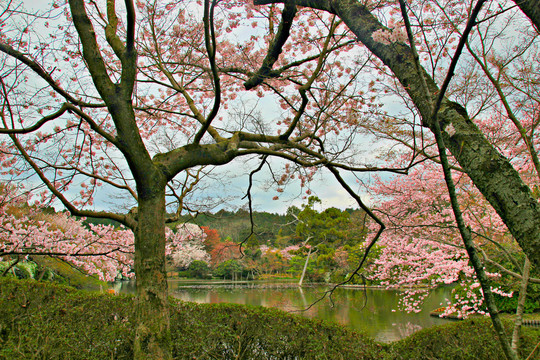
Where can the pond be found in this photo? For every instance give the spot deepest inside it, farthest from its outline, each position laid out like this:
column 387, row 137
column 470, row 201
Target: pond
column 372, row 311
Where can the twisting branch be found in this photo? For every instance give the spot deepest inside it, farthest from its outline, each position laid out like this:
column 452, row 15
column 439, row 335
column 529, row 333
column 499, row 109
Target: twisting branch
column 463, row 228
column 187, row 187
column 275, row 48
column 210, row 42
column 37, row 125
column 250, row 201
column 471, row 250
column 69, row 107
column 368, row 211
column 528, row 140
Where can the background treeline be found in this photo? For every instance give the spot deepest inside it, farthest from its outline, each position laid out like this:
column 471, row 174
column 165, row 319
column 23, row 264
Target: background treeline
column 269, row 228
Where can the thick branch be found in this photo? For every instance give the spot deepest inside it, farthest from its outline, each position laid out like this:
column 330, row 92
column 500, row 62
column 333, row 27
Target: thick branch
column 192, row 155
column 276, row 47
column 111, row 29
column 210, row 42
column 129, row 62
column 91, row 52
column 531, row 8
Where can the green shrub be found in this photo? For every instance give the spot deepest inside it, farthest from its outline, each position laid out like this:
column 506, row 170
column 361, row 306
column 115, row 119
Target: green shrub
column 231, row 331
column 40, row 320
column 472, row 339
column 22, row 270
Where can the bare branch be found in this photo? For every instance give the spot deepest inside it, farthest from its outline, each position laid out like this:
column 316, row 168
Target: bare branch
column 44, row 75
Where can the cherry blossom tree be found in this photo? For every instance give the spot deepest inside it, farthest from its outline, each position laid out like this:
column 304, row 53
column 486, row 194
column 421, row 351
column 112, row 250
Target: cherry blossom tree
column 29, row 232
column 186, row 245
column 421, row 246
column 102, row 250
column 424, row 63
column 135, row 99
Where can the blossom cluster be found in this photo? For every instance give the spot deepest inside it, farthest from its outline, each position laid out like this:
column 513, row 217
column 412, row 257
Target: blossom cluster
column 102, row 250
column 394, row 33
column 421, row 247
column 286, row 253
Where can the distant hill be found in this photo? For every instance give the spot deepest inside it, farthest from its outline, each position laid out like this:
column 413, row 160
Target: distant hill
column 268, row 227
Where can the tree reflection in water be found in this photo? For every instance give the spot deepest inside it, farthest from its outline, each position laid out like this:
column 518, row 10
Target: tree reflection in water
column 372, row 311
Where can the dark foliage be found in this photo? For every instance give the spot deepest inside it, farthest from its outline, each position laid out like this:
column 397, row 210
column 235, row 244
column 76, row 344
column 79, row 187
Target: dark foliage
column 40, row 320
column 472, row 339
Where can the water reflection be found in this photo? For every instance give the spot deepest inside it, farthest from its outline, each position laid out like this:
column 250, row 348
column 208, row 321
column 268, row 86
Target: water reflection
column 372, row 311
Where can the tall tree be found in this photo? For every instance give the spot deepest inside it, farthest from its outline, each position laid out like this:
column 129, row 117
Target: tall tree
column 131, row 100
column 490, row 171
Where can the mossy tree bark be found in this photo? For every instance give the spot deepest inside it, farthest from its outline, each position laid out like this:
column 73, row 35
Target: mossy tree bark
column 491, row 172
column 531, row 8
column 152, row 335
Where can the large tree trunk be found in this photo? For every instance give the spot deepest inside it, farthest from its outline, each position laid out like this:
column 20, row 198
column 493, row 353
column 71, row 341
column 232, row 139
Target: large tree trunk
column 152, row 335
column 531, row 8
column 491, row 172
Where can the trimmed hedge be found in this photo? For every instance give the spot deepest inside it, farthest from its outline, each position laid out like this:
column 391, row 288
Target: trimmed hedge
column 472, row 339
column 231, row 331
column 40, row 320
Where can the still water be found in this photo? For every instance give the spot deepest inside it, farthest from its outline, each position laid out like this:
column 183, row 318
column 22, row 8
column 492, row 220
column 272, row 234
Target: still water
column 372, row 311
